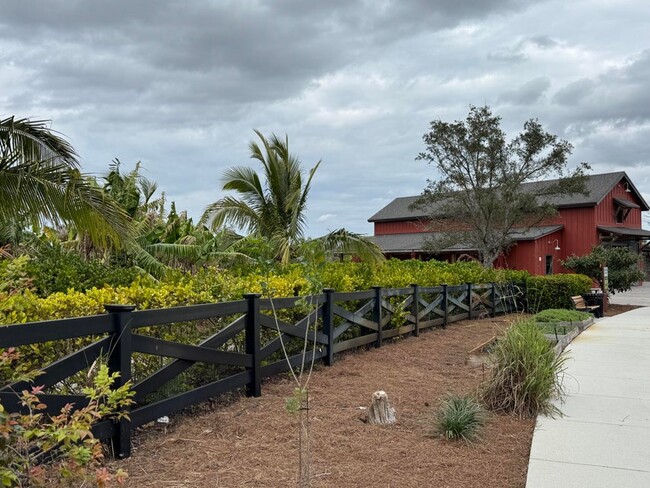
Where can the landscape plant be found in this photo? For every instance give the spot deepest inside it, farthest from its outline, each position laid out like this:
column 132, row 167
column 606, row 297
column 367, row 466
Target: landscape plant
column 54, row 268
column 37, row 449
column 559, row 321
column 298, row 402
column 622, row 264
column 554, row 291
column 552, row 315
column 459, row 417
column 525, row 374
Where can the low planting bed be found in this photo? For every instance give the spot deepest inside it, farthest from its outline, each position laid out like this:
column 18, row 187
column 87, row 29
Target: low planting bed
column 253, row 441
column 558, row 316
column 559, row 326
column 562, row 326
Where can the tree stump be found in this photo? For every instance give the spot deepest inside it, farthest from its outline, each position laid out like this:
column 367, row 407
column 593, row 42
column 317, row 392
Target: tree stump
column 380, row 411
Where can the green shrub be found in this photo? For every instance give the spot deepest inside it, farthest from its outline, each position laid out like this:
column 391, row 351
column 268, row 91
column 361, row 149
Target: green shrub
column 459, row 417
column 53, row 269
column 27, row 307
column 24, row 437
column 560, row 315
column 555, row 291
column 622, row 263
column 14, row 277
column 525, row 374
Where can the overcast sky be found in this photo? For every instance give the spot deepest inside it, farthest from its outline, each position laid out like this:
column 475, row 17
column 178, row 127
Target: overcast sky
column 181, row 85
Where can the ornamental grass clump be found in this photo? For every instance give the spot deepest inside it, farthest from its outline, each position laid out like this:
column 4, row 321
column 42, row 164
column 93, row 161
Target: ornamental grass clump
column 460, row 417
column 525, row 374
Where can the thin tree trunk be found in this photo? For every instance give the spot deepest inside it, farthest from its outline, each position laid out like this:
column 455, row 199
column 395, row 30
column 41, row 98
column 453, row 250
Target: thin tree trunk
column 304, row 452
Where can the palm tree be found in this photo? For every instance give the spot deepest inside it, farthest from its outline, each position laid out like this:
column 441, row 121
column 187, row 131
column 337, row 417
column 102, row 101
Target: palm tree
column 163, row 241
column 276, row 209
column 40, row 182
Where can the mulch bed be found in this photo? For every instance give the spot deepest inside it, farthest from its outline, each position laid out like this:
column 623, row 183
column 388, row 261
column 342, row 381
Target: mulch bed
column 615, row 309
column 252, row 442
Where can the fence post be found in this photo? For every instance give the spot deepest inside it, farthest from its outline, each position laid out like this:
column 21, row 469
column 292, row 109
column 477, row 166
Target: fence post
column 328, row 324
column 469, row 301
column 254, row 388
column 445, row 305
column 415, row 309
column 378, row 315
column 119, row 360
column 493, row 299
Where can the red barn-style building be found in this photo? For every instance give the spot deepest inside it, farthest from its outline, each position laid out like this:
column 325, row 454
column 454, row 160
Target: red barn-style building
column 609, row 214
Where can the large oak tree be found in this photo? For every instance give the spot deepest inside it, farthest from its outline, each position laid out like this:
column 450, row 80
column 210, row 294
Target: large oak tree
column 479, row 199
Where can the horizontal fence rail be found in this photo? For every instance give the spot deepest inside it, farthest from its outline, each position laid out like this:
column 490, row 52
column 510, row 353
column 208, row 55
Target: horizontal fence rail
column 246, row 346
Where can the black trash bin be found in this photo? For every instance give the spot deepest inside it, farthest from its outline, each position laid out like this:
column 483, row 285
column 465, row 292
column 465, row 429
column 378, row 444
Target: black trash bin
column 595, row 299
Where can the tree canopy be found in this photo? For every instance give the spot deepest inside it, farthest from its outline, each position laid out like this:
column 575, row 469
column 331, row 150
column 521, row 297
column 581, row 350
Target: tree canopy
column 478, row 199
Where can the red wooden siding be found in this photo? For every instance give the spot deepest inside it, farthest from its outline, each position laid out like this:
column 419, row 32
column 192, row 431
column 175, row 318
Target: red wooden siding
column 580, row 233
column 400, row 227
column 606, row 209
column 531, row 255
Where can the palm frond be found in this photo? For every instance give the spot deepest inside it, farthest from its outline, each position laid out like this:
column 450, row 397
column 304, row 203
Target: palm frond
column 274, row 209
column 146, row 261
column 40, row 182
column 175, row 251
column 34, row 140
column 345, row 242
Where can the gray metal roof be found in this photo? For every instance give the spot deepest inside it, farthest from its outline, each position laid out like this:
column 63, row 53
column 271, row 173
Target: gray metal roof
column 625, row 203
column 536, row 232
column 416, row 242
column 410, row 242
column 626, row 231
column 597, row 186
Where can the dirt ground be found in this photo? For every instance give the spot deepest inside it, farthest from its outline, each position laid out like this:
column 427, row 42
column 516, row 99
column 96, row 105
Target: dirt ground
column 252, row 442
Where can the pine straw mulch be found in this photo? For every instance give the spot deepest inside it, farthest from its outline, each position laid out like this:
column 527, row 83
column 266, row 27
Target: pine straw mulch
column 252, row 442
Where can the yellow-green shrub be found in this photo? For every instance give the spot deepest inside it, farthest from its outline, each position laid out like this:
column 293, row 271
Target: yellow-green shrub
column 214, row 285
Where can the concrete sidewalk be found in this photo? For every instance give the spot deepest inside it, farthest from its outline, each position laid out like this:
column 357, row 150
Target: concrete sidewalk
column 638, row 295
column 603, row 439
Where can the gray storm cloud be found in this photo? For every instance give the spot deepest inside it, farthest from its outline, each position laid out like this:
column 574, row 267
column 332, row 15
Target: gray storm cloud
column 181, row 85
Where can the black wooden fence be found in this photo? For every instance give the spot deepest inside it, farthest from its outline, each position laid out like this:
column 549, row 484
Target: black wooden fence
column 332, row 322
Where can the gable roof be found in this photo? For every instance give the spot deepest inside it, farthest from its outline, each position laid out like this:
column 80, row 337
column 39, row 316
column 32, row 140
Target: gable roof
column 597, row 187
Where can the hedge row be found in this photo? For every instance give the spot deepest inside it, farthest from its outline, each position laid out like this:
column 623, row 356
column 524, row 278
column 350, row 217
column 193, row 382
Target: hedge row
column 554, row 291
column 213, row 285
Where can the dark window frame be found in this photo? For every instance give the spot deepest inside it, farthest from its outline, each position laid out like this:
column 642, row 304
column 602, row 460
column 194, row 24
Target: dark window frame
column 548, row 264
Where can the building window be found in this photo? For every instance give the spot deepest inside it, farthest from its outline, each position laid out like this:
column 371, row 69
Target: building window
column 622, row 209
column 549, row 265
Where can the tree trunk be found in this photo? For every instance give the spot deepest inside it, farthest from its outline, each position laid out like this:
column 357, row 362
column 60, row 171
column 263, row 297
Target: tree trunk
column 380, row 411
column 304, row 448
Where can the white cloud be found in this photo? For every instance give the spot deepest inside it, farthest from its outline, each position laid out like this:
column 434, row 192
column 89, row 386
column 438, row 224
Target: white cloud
column 325, row 217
